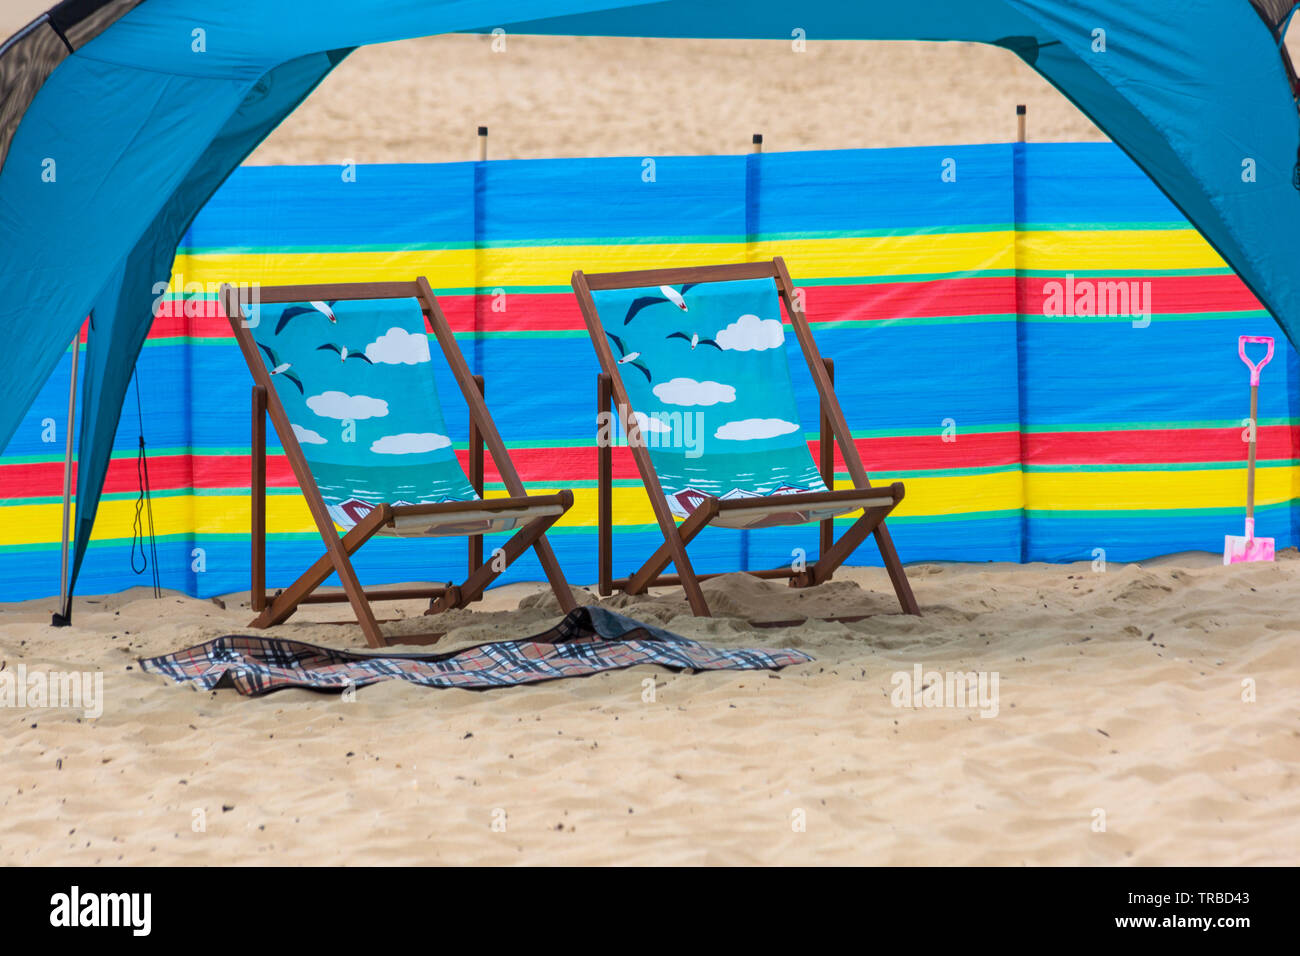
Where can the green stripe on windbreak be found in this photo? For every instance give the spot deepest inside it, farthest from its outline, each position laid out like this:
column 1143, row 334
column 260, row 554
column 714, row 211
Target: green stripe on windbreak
column 917, row 321
column 1164, row 225
column 992, row 429
column 1087, row 427
column 1163, row 317
column 1161, row 466
column 361, row 247
column 1172, row 514
column 715, row 239
column 904, row 322
column 1145, row 273
column 958, row 516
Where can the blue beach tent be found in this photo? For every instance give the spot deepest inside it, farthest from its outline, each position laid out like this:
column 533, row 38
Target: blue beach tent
column 120, row 118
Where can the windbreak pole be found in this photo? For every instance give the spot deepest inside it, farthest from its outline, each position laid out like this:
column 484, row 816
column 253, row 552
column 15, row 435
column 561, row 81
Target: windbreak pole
column 63, row 617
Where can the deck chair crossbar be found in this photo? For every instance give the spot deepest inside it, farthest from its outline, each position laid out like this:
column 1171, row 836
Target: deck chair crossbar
column 611, row 389
column 339, row 549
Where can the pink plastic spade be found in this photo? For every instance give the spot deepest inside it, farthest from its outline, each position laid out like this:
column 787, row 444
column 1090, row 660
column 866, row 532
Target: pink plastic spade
column 1249, row 547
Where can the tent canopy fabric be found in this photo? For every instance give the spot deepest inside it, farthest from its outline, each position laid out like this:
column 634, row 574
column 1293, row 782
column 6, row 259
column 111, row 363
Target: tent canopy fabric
column 119, row 118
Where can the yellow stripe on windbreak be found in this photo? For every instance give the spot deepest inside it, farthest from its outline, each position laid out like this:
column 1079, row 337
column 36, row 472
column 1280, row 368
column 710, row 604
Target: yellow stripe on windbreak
column 554, row 265
column 230, row 514
column 1157, row 490
column 1115, row 250
column 809, row 259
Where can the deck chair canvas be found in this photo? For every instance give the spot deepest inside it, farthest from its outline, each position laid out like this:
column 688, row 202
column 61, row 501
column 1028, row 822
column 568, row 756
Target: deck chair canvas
column 344, row 373
column 695, row 360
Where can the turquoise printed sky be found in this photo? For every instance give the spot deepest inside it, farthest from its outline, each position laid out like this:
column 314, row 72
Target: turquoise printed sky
column 712, row 384
column 356, row 382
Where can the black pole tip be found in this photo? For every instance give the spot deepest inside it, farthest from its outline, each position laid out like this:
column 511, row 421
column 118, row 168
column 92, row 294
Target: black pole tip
column 1020, row 109
column 482, row 130
column 758, row 139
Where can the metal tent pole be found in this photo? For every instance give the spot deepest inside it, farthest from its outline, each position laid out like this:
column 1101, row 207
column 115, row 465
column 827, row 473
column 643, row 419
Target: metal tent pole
column 64, row 615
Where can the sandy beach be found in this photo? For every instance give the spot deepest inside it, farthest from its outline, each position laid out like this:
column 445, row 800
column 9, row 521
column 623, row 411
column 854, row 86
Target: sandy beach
column 1145, row 715
column 1120, row 692
column 421, row 101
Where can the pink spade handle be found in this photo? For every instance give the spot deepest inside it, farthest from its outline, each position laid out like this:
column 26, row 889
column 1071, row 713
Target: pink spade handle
column 1241, row 350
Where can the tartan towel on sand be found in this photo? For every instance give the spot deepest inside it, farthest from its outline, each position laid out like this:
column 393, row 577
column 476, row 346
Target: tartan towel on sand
column 587, row 641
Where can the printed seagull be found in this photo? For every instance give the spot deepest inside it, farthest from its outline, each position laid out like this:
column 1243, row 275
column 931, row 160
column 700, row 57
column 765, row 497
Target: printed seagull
column 669, row 294
column 694, row 339
column 324, row 308
column 280, row 368
column 344, row 352
column 629, row 358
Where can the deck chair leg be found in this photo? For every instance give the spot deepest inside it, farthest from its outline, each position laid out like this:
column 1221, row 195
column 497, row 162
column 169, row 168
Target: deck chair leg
column 839, row 552
column 902, row 587
column 485, row 574
column 360, row 603
column 257, row 563
column 559, row 584
column 696, row 522
column 604, row 487
column 339, row 562
column 872, row 522
column 691, row 585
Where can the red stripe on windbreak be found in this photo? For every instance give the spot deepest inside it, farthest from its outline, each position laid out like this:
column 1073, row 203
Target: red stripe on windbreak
column 893, row 300
column 1169, row 446
column 979, row 295
column 1169, row 295
column 878, row 454
column 165, row 472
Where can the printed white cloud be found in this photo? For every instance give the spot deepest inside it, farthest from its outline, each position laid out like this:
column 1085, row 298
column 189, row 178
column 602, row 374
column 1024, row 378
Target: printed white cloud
column 342, row 406
column 399, row 347
column 308, row 437
column 687, row 391
column 749, row 333
column 749, row 429
column 409, row 443
column 647, row 424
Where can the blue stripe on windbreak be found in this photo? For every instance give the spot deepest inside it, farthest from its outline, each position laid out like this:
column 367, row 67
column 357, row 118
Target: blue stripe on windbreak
column 1079, row 373
column 667, row 198
column 873, row 190
column 1136, row 536
column 1096, row 183
column 420, row 206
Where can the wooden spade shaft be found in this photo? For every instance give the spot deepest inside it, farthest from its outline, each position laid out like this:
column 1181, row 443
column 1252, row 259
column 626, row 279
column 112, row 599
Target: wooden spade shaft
column 1250, row 465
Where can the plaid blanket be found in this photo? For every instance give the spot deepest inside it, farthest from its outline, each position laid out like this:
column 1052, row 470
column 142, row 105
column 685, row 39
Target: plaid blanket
column 587, row 641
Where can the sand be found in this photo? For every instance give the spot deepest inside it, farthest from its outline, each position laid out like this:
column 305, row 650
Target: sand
column 1121, row 734
column 423, row 100
column 1119, row 692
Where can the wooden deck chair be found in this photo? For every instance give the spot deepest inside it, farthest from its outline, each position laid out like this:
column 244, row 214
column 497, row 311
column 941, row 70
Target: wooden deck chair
column 695, row 360
column 344, row 373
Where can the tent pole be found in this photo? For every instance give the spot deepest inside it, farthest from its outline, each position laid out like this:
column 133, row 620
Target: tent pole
column 482, row 144
column 64, row 615
column 1020, row 123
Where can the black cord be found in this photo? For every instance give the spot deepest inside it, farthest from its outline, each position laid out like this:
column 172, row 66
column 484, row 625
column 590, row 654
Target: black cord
column 144, row 504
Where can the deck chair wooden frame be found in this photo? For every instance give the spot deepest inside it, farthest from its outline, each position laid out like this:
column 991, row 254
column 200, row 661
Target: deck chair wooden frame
column 834, row 430
column 338, row 550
